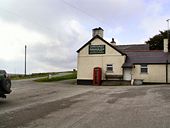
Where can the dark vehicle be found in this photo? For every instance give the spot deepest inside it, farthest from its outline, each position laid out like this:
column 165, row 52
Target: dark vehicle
column 5, row 84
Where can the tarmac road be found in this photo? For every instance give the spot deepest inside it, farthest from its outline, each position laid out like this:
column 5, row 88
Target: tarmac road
column 65, row 105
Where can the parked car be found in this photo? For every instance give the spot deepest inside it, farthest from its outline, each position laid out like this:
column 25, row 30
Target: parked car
column 5, row 84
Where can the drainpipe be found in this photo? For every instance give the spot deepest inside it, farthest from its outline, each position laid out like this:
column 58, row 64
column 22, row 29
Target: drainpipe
column 168, row 51
column 166, row 71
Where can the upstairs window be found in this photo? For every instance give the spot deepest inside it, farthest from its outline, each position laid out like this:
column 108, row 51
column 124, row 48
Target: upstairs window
column 144, row 68
column 109, row 68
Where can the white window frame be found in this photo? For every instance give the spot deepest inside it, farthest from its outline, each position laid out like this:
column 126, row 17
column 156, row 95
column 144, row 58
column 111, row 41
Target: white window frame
column 144, row 68
column 109, row 68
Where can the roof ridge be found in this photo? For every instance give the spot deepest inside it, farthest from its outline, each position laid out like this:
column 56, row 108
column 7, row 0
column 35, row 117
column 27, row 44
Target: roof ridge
column 130, row 44
column 143, row 50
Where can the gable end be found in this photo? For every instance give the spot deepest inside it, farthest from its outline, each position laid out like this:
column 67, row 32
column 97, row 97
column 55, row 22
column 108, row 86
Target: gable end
column 103, row 41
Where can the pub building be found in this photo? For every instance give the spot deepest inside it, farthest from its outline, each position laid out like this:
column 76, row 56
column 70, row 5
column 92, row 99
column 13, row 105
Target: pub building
column 100, row 62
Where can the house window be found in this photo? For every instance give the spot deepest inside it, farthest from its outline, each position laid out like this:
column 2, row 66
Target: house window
column 109, row 68
column 144, row 68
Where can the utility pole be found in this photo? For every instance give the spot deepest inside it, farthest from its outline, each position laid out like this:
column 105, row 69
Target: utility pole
column 25, row 60
column 168, row 29
column 168, row 51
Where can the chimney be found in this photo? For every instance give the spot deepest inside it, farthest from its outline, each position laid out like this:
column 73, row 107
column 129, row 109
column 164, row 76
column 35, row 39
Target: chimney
column 165, row 45
column 97, row 31
column 113, row 42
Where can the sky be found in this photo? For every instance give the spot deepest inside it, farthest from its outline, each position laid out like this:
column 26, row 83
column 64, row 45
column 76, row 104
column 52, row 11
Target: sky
column 54, row 30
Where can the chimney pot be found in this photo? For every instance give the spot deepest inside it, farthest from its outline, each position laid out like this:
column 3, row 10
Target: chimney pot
column 113, row 42
column 97, row 31
column 165, row 45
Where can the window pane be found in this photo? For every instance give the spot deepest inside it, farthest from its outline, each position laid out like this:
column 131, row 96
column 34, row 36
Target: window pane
column 144, row 68
column 109, row 67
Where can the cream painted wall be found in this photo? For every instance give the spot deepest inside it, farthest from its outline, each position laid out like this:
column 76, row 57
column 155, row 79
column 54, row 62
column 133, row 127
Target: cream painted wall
column 156, row 73
column 168, row 73
column 86, row 62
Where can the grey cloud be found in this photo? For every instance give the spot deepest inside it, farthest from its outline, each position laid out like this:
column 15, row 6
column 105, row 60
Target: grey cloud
column 65, row 23
column 110, row 11
column 47, row 16
column 12, row 66
column 41, row 15
column 60, row 53
column 56, row 19
column 53, row 54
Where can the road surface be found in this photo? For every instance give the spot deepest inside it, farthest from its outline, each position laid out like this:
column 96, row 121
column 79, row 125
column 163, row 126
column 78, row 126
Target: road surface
column 66, row 105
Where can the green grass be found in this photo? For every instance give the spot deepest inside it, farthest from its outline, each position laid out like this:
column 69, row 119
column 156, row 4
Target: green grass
column 34, row 75
column 58, row 78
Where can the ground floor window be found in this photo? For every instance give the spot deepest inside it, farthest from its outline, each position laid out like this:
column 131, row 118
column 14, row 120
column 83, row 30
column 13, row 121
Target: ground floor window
column 144, row 68
column 109, row 68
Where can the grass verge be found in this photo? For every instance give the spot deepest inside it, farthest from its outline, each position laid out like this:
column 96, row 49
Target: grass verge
column 59, row 78
column 35, row 75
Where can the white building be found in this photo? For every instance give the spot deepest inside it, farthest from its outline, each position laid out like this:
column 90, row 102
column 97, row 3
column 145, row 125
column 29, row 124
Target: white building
column 121, row 62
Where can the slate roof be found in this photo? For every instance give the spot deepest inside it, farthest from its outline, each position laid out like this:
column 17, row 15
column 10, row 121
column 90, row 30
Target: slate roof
column 146, row 57
column 137, row 54
column 132, row 47
column 140, row 54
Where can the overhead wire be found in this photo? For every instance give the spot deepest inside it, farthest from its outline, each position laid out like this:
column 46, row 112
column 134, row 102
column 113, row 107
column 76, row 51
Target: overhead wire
column 47, row 28
column 82, row 11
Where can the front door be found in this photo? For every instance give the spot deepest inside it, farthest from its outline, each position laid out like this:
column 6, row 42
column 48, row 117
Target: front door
column 127, row 74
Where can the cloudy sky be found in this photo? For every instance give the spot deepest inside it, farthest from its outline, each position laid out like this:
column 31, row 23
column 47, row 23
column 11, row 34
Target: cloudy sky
column 54, row 29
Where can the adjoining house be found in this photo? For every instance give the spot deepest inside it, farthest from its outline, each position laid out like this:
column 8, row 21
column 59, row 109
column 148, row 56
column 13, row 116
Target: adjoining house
column 99, row 60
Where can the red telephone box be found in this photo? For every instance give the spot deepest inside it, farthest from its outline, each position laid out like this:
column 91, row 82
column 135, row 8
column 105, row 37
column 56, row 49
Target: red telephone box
column 97, row 75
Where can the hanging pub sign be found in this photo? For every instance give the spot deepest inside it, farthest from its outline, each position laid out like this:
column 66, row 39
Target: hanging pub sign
column 96, row 49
